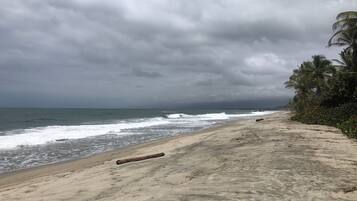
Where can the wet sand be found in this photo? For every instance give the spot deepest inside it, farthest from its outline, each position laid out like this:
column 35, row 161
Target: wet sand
column 274, row 159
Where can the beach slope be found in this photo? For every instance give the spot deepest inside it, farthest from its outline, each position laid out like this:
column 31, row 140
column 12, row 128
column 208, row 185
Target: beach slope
column 274, row 159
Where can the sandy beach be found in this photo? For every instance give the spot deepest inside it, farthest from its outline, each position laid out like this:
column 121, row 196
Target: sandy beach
column 274, row 159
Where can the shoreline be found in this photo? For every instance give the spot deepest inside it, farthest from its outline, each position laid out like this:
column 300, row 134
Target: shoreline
column 29, row 157
column 11, row 178
column 273, row 159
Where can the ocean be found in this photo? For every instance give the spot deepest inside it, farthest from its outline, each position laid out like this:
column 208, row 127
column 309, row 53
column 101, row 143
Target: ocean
column 33, row 137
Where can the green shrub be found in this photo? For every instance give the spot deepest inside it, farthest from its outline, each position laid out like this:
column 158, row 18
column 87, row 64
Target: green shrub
column 343, row 117
column 327, row 116
column 349, row 127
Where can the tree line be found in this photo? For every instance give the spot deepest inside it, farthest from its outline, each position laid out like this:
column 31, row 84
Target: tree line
column 322, row 86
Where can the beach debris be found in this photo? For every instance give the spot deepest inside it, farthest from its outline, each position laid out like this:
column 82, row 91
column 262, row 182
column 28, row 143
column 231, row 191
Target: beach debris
column 140, row 158
column 61, row 140
column 257, row 120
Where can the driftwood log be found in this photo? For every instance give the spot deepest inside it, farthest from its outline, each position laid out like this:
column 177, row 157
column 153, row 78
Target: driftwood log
column 61, row 140
column 257, row 120
column 140, row 158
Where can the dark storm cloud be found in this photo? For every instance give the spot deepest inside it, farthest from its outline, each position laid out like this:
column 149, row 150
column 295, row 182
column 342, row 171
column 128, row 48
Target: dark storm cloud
column 161, row 52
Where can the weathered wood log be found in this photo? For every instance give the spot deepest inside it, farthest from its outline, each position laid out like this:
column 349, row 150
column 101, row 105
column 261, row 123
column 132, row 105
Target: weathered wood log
column 257, row 120
column 61, row 140
column 140, row 158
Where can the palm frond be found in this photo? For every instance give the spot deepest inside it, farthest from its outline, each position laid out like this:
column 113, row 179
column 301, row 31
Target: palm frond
column 346, row 14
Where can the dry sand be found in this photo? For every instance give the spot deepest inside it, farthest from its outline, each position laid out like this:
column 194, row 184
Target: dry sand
column 275, row 159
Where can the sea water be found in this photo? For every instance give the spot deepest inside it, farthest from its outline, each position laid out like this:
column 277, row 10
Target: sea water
column 32, row 137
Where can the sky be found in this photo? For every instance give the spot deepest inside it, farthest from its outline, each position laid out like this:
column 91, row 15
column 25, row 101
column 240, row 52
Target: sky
column 158, row 53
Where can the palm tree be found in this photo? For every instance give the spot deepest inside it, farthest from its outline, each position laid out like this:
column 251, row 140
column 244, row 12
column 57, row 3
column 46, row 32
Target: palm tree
column 301, row 81
column 344, row 83
column 344, row 64
column 310, row 80
column 321, row 71
column 316, row 72
column 345, row 29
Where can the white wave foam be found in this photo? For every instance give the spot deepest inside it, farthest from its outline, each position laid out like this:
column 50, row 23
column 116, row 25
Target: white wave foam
column 216, row 116
column 178, row 115
column 252, row 114
column 210, row 116
column 42, row 135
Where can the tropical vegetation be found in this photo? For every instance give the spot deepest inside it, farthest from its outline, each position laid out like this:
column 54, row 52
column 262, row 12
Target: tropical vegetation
column 326, row 90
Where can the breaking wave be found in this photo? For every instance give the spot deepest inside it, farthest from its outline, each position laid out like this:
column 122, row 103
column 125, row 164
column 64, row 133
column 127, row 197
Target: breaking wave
column 52, row 134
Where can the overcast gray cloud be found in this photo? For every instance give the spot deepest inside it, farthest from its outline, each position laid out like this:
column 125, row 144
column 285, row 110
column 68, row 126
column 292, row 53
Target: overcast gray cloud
column 126, row 53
